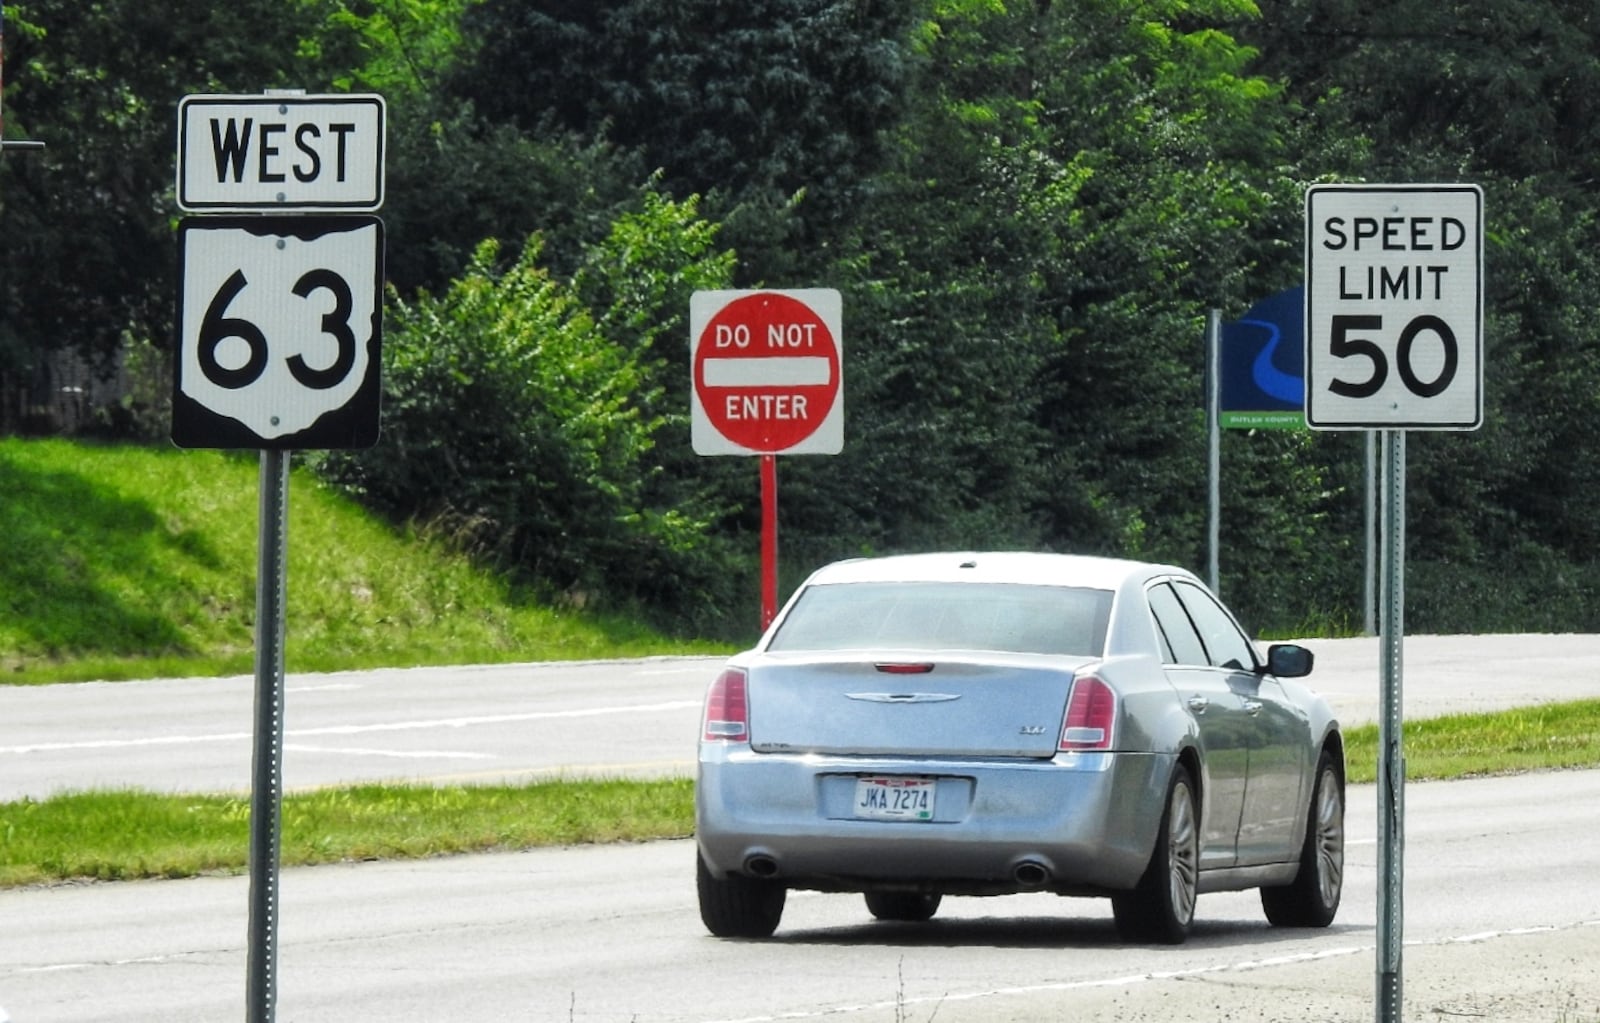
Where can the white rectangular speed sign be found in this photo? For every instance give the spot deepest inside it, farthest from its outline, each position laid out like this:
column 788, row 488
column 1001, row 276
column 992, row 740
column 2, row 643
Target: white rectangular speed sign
column 1394, row 307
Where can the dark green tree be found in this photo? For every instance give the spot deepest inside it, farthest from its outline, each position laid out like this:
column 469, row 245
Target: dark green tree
column 771, row 110
column 1502, row 95
column 88, row 259
column 1075, row 185
column 770, row 94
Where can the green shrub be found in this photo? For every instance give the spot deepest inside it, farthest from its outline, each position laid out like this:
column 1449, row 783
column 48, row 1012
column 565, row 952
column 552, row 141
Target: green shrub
column 521, row 415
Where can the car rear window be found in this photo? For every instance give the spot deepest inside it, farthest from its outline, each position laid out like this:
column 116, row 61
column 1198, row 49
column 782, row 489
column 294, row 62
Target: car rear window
column 947, row 616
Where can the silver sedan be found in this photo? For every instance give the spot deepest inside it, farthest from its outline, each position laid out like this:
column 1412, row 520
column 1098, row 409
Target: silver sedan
column 981, row 724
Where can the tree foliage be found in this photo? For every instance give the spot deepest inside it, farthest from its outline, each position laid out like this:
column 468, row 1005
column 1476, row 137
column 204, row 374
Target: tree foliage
column 1029, row 206
column 766, row 94
column 1497, row 95
column 88, row 221
column 521, row 420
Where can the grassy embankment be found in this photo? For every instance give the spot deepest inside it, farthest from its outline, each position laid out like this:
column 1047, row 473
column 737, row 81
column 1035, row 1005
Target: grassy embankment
column 128, row 563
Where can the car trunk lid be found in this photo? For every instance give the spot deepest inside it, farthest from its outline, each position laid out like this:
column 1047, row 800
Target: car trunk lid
column 895, row 704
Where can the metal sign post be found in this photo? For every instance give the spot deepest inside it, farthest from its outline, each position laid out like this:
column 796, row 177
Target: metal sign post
column 1391, row 758
column 1393, row 341
column 279, row 348
column 1214, row 449
column 266, row 780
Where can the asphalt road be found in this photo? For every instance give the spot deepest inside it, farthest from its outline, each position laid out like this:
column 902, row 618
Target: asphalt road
column 634, row 718
column 1502, row 902
column 507, row 722
column 1502, row 923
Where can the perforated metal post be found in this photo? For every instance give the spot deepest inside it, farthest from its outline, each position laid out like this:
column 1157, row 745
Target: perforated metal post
column 266, row 788
column 1214, row 449
column 1369, row 575
column 1391, row 753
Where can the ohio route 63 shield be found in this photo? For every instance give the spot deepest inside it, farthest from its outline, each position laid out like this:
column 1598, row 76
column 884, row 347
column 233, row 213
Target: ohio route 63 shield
column 279, row 332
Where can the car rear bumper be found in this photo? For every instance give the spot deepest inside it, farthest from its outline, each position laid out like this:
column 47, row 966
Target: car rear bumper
column 1077, row 822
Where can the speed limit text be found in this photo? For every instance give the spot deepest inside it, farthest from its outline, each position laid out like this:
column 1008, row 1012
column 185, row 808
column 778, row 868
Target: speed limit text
column 1403, row 279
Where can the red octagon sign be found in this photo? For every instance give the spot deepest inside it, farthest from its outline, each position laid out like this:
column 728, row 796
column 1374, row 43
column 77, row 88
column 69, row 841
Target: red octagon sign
column 766, row 372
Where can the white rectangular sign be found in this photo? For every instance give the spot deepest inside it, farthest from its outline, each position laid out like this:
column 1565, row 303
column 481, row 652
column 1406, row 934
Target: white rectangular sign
column 767, row 372
column 282, row 153
column 1394, row 307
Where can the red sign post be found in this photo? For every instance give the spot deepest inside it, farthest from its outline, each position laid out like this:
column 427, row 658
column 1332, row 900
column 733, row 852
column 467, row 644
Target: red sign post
column 767, row 380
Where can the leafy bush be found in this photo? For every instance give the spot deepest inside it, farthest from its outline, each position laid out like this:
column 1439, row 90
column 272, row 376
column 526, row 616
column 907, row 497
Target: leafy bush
column 522, row 421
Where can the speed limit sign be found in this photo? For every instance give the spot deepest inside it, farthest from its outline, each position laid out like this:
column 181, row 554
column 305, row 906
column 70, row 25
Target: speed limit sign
column 1394, row 307
column 279, row 332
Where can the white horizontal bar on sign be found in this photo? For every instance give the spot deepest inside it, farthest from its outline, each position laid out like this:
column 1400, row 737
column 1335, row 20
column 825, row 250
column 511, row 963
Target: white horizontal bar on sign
column 776, row 371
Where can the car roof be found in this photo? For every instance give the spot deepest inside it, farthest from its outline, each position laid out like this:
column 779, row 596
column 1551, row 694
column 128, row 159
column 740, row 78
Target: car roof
column 1023, row 567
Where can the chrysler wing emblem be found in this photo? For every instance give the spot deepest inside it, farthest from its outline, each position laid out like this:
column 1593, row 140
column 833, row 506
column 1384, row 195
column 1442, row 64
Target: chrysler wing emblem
column 904, row 697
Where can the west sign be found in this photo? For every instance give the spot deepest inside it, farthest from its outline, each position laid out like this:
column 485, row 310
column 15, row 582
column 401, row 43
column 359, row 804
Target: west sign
column 281, row 152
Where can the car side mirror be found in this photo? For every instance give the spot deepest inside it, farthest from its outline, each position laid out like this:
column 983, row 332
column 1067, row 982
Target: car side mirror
column 1289, row 660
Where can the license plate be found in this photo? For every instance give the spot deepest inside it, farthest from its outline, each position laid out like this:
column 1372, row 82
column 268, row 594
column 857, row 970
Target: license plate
column 895, row 799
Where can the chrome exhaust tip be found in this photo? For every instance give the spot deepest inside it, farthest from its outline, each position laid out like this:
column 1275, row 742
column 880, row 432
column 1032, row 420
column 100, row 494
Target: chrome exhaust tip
column 761, row 866
column 1030, row 874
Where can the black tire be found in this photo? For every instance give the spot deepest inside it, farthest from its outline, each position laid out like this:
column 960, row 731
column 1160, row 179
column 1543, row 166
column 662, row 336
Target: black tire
column 1161, row 908
column 909, row 906
column 1313, row 899
column 736, row 906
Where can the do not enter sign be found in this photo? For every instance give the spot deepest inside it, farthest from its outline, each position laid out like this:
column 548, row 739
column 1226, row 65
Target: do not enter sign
column 766, row 372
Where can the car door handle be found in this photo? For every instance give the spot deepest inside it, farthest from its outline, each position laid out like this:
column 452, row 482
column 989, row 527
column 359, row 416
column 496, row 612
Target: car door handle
column 1252, row 707
column 1198, row 704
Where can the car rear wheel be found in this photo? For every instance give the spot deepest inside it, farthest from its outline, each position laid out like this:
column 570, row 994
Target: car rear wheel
column 1313, row 899
column 913, row 906
column 737, row 906
column 1161, row 908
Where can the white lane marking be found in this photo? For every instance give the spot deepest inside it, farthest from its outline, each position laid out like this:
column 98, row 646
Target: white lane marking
column 420, row 754
column 899, row 1005
column 387, row 726
column 669, row 768
column 139, row 961
column 1076, row 985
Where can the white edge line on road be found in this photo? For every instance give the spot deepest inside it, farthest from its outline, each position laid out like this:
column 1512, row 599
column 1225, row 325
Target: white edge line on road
column 420, row 754
column 389, row 726
column 1142, row 978
column 1078, row 985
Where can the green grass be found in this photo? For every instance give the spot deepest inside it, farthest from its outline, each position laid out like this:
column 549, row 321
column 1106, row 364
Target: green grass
column 121, row 835
column 1545, row 738
column 121, row 562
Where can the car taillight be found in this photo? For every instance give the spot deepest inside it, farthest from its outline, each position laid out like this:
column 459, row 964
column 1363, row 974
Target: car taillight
column 727, row 711
column 1091, row 715
column 898, row 668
